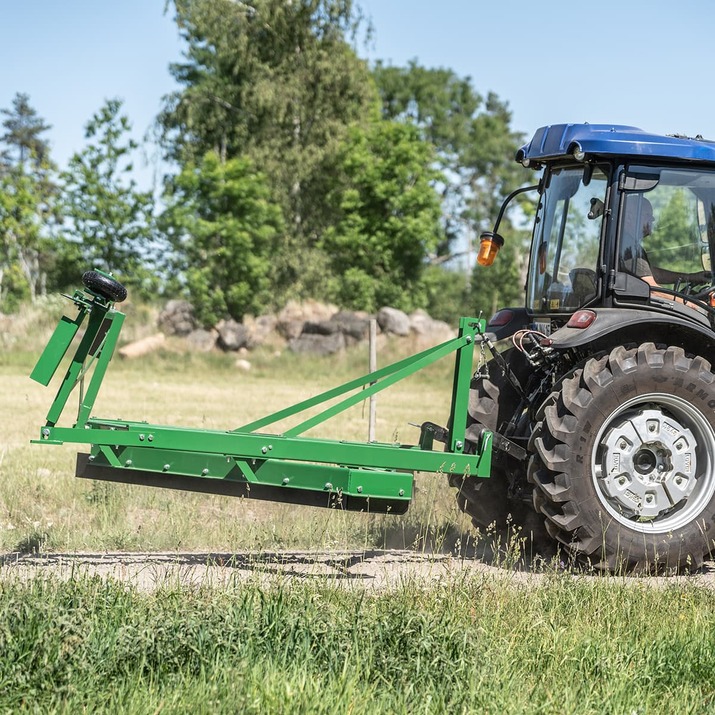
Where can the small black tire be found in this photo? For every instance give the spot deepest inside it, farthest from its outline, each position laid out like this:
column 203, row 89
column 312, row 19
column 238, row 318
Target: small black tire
column 105, row 286
column 624, row 461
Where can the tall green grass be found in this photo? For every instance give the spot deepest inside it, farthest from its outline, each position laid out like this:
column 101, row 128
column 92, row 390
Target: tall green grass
column 476, row 645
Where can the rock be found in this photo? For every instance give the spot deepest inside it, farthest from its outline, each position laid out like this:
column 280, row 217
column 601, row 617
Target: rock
column 392, row 320
column 289, row 329
column 354, row 326
column 202, row 340
column 428, row 330
column 232, row 335
column 324, row 327
column 291, row 319
column 316, row 344
column 260, row 329
column 242, row 364
column 177, row 318
column 142, row 347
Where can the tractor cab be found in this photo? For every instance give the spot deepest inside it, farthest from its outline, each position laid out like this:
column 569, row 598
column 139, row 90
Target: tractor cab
column 623, row 219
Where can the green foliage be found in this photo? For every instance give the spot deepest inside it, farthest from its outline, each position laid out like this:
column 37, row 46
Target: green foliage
column 448, row 296
column 388, row 217
column 224, row 229
column 499, row 285
column 28, row 202
column 108, row 216
column 279, row 83
column 474, row 142
column 15, row 289
column 23, row 128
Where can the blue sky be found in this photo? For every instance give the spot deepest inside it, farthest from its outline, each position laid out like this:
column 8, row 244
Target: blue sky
column 644, row 64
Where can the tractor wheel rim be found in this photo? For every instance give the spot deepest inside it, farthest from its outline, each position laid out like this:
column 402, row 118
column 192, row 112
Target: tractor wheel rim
column 653, row 463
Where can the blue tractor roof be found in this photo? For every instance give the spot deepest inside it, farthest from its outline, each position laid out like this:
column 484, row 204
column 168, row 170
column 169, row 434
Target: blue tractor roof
column 561, row 140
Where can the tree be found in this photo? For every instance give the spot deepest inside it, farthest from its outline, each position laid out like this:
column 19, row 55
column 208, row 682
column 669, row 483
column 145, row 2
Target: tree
column 474, row 143
column 28, row 203
column 23, row 128
column 20, row 229
column 499, row 285
column 388, row 217
column 110, row 218
column 279, row 83
column 224, row 229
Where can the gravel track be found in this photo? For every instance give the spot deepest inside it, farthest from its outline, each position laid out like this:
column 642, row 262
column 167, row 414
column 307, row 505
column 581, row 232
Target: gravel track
column 377, row 569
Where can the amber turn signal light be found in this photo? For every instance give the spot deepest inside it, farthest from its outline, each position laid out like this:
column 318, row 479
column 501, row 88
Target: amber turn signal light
column 489, row 245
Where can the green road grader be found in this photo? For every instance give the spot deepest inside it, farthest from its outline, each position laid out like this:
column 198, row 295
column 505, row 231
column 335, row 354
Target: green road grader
column 593, row 422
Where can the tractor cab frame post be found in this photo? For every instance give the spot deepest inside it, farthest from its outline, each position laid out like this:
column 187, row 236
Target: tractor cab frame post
column 247, row 461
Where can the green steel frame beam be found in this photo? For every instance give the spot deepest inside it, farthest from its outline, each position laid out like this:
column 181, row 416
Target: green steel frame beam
column 285, row 467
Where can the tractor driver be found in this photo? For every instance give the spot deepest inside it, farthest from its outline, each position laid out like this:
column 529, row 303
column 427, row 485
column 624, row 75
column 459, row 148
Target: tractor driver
column 637, row 225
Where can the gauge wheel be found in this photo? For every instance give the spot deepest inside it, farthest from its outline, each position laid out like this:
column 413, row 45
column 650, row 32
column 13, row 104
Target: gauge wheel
column 105, row 286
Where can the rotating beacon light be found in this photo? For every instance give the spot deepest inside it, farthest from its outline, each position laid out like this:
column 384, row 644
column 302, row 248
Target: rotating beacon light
column 489, row 245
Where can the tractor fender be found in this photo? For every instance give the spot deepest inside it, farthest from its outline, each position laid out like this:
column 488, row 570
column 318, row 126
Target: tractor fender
column 636, row 325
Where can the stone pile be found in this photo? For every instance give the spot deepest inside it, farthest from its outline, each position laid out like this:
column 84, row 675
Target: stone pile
column 308, row 327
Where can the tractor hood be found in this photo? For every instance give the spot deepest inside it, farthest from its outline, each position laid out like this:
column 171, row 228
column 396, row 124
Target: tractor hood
column 579, row 140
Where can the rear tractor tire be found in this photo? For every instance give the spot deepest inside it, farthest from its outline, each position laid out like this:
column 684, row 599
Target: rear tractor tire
column 624, row 461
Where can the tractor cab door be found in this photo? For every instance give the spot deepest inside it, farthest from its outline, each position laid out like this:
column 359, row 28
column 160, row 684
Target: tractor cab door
column 666, row 233
column 563, row 268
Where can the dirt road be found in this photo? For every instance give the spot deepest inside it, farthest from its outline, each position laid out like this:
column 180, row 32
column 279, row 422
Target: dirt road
column 370, row 569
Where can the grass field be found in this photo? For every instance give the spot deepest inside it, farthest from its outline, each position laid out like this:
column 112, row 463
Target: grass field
column 479, row 645
column 563, row 643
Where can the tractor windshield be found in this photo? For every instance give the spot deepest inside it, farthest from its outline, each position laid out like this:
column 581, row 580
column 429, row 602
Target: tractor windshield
column 667, row 228
column 565, row 249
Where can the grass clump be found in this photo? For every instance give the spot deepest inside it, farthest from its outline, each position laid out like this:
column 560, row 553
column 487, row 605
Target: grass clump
column 475, row 645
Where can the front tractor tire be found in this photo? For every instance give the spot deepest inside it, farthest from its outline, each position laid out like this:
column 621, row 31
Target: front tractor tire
column 623, row 461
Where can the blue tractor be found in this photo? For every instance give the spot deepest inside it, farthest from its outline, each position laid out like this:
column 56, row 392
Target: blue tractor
column 603, row 377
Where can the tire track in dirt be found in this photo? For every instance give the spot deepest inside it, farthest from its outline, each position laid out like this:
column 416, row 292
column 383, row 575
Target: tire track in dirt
column 372, row 569
column 150, row 570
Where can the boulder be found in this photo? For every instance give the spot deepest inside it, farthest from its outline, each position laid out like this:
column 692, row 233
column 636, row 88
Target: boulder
column 142, row 347
column 323, row 327
column 291, row 319
column 428, row 330
column 202, row 340
column 392, row 320
column 177, row 318
column 289, row 329
column 355, row 326
column 232, row 335
column 316, row 344
column 260, row 330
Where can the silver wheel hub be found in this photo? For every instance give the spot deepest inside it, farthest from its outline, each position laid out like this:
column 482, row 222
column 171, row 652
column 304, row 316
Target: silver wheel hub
column 650, row 463
column 653, row 464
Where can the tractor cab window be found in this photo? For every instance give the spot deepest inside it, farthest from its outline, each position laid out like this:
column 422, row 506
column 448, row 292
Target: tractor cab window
column 565, row 249
column 667, row 229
